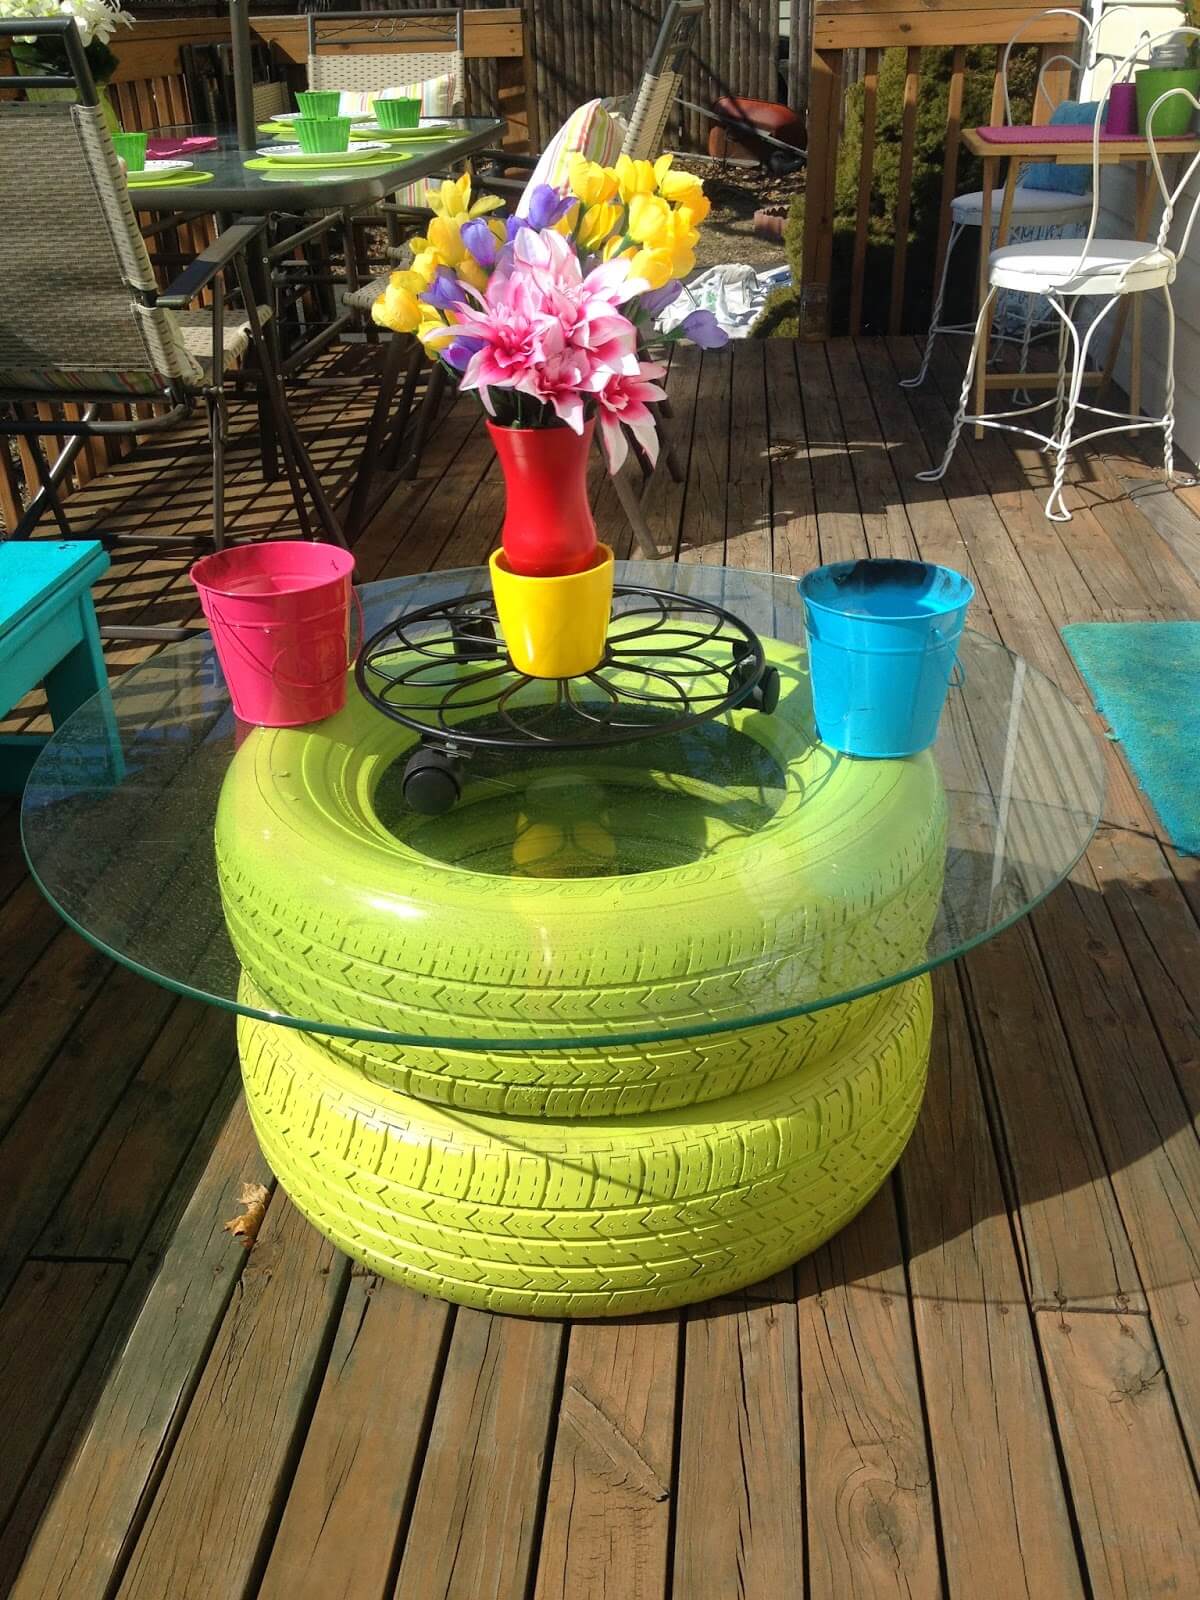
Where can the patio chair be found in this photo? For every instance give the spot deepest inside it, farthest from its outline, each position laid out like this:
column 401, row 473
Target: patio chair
column 649, row 112
column 85, row 323
column 1035, row 209
column 1100, row 271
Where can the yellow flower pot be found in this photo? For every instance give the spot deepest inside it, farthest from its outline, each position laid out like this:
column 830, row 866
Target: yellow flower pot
column 554, row 627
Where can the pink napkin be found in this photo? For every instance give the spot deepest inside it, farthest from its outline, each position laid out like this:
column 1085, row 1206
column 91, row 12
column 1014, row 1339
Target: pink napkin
column 1059, row 133
column 167, row 149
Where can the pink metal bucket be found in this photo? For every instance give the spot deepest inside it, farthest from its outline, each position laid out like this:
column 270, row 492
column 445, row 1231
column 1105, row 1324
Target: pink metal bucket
column 280, row 619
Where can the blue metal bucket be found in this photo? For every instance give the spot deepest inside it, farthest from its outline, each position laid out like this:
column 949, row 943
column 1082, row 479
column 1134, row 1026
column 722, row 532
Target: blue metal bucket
column 882, row 645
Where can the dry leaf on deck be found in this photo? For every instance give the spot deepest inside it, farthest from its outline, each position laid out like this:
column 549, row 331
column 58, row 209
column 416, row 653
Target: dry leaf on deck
column 254, row 1197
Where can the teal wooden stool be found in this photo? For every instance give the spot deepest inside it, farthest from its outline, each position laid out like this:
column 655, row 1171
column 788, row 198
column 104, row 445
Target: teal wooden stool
column 48, row 634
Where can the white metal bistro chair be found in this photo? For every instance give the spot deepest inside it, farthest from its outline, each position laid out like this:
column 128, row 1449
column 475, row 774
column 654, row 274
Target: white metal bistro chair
column 1067, row 270
column 1046, row 210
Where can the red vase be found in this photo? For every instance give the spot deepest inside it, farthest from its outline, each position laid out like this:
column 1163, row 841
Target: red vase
column 548, row 528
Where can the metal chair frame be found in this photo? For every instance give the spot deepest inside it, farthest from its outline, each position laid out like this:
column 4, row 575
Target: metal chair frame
column 1068, row 288
column 226, row 256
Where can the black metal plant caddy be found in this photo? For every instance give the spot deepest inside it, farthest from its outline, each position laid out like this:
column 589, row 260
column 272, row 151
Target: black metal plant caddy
column 443, row 671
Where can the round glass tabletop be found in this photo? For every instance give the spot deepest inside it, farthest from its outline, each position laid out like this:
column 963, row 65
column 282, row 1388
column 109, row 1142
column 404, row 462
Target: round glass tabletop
column 730, row 873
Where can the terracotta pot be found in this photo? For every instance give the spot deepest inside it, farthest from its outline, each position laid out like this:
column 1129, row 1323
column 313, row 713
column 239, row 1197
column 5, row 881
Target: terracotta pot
column 548, row 528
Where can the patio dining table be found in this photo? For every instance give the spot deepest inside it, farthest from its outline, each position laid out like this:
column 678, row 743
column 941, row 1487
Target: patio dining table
column 237, row 187
column 1018, row 147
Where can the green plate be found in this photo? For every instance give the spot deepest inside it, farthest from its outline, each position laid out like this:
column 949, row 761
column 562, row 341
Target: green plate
column 165, row 180
column 439, row 130
column 291, row 155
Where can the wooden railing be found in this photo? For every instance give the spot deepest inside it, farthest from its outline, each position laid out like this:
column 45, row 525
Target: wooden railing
column 872, row 26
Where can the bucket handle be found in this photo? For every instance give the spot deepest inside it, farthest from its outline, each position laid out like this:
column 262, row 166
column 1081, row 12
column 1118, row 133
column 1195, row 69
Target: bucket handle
column 958, row 674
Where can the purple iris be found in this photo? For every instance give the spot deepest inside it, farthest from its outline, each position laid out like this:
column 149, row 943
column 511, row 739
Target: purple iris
column 655, row 301
column 513, row 226
column 445, row 290
column 459, row 352
column 702, row 328
column 546, row 206
column 480, row 241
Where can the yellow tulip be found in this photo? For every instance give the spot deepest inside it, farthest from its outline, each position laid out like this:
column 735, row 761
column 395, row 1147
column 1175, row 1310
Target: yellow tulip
column 566, row 223
column 445, row 237
column 696, row 207
column 616, row 247
column 598, row 223
column 451, row 199
column 649, row 217
column 469, row 270
column 425, row 260
column 397, row 307
column 679, row 186
column 634, row 177
column 661, row 167
column 433, row 333
column 656, row 267
column 590, row 182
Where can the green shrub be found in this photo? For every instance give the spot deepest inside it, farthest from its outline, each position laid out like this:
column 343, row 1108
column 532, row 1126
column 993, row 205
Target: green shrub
column 782, row 312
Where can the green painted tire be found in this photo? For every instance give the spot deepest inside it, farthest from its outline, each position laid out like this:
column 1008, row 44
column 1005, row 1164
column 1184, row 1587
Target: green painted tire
column 596, row 1218
column 333, row 914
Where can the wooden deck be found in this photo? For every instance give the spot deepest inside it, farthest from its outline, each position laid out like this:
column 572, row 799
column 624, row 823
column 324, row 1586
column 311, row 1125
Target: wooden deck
column 987, row 1386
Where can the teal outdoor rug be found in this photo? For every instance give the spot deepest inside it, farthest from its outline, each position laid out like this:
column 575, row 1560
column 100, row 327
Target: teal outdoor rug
column 1145, row 679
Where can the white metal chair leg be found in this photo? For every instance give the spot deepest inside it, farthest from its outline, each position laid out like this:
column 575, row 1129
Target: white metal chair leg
column 1169, row 403
column 956, row 233
column 982, row 325
column 1056, row 506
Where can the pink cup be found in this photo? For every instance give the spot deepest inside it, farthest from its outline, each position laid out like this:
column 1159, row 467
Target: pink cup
column 280, row 619
column 1121, row 116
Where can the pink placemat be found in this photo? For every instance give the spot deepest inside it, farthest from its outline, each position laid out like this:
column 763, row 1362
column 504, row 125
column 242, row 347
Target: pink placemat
column 1059, row 133
column 166, row 149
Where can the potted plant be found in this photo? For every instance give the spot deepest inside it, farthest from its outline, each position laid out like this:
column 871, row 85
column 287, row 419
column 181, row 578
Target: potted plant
column 97, row 21
column 1172, row 65
column 546, row 316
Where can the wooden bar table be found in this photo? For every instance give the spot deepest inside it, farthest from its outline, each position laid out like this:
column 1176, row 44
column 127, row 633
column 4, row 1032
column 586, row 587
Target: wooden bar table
column 1041, row 145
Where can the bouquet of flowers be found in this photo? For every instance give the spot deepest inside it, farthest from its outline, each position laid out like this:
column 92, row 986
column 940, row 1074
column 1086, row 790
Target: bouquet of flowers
column 97, row 21
column 547, row 314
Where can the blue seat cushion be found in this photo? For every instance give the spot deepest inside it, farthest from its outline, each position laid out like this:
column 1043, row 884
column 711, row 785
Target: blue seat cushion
column 1075, row 178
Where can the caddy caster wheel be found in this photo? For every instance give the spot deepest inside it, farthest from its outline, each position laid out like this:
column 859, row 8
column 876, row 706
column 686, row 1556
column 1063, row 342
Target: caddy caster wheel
column 431, row 783
column 764, row 696
column 474, row 637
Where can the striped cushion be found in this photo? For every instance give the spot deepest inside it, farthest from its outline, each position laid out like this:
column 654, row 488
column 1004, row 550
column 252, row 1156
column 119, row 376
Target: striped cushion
column 591, row 131
column 436, row 94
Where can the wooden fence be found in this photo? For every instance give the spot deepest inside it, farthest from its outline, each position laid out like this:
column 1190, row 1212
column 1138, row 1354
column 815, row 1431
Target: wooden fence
column 841, row 29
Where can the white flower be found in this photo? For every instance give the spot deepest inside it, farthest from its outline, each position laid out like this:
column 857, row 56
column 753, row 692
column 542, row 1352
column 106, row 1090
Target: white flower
column 95, row 19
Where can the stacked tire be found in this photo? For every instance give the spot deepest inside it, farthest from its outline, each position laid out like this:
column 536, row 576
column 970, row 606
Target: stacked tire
column 614, row 1139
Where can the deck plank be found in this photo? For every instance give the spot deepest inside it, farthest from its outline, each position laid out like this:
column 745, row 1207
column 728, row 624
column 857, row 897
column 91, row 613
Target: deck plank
column 1004, row 1508
column 872, row 1521
column 88, row 1531
column 47, row 1324
column 221, row 1492
column 702, row 529
column 739, row 1526
column 608, row 1512
column 357, row 1475
column 1139, row 1520
column 474, row 1525
column 793, row 497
